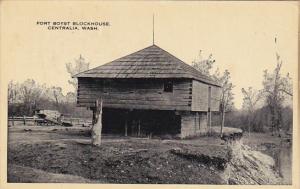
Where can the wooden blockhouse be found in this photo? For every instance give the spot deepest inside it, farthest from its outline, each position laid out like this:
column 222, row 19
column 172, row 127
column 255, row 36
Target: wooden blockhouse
column 150, row 92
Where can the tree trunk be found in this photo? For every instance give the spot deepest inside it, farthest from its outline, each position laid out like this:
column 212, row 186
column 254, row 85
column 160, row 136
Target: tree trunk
column 12, row 109
column 97, row 123
column 223, row 122
column 209, row 110
column 272, row 119
column 57, row 104
column 209, row 122
column 13, row 122
column 279, row 120
column 249, row 123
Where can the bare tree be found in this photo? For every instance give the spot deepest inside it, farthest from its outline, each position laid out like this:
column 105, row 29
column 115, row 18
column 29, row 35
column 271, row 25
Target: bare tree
column 12, row 97
column 57, row 95
column 204, row 65
column 276, row 88
column 250, row 104
column 30, row 93
column 226, row 97
column 79, row 66
column 12, row 92
column 70, row 97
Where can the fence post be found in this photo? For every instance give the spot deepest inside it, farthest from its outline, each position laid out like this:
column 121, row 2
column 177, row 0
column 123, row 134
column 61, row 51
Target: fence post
column 24, row 120
column 33, row 120
column 12, row 121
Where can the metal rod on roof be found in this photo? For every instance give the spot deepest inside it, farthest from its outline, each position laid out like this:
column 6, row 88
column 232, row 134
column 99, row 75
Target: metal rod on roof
column 153, row 30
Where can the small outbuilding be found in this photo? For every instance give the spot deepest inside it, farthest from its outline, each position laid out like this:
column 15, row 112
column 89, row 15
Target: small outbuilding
column 150, row 92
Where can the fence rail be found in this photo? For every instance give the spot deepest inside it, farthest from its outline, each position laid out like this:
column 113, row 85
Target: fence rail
column 22, row 118
column 36, row 121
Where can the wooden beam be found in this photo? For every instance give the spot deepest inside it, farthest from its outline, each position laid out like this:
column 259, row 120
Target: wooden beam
column 209, row 109
column 139, row 132
column 97, row 123
column 126, row 125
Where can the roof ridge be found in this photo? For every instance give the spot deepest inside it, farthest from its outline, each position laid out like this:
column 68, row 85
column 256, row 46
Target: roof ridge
column 75, row 75
column 185, row 64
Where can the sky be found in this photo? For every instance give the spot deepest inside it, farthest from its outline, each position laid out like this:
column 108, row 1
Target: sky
column 240, row 35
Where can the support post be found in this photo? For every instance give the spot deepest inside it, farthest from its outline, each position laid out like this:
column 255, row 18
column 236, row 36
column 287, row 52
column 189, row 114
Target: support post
column 133, row 124
column 126, row 127
column 139, row 127
column 199, row 122
column 195, row 124
column 97, row 123
column 209, row 109
column 209, row 121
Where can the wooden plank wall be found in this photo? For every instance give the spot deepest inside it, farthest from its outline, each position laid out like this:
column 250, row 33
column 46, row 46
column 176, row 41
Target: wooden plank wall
column 215, row 98
column 200, row 97
column 135, row 93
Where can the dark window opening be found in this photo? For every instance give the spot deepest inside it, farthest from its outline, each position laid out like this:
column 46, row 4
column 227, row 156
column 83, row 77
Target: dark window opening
column 168, row 86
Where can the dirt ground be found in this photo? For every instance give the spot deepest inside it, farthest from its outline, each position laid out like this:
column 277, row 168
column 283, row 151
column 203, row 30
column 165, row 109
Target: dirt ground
column 64, row 155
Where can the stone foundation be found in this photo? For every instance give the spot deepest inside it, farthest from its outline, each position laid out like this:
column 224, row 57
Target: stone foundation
column 193, row 124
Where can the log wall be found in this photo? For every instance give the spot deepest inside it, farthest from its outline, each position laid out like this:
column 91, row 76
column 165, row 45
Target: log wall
column 135, row 93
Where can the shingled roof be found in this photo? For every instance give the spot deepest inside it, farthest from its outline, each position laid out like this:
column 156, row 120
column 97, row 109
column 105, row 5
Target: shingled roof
column 150, row 62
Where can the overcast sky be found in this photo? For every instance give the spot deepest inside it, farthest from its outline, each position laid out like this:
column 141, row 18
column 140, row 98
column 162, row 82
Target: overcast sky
column 240, row 35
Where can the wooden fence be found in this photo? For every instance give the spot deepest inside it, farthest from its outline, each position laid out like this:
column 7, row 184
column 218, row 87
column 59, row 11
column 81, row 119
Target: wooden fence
column 31, row 121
